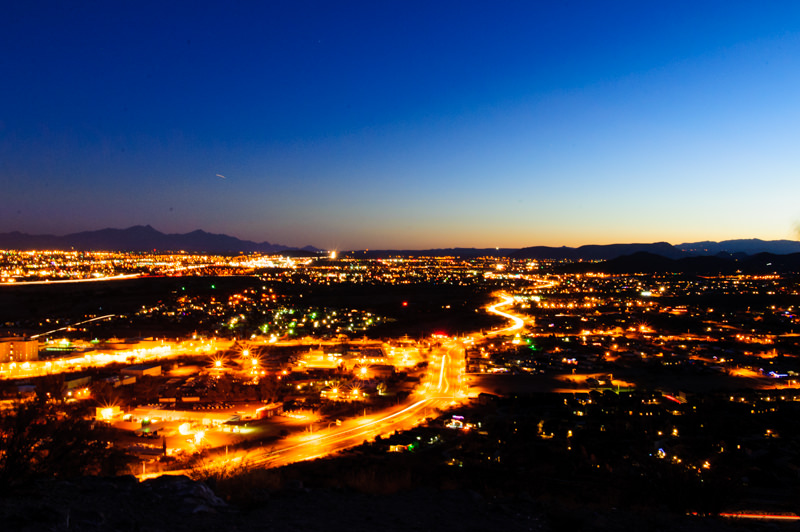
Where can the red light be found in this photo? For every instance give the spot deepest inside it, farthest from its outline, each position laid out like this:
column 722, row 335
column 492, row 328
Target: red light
column 405, row 303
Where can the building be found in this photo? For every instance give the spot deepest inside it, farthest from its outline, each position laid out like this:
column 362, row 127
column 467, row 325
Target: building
column 18, row 350
column 381, row 371
column 140, row 370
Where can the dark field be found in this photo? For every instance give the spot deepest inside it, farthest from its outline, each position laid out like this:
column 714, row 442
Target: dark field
column 428, row 308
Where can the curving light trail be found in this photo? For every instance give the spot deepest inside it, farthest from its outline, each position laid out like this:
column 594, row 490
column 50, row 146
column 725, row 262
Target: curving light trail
column 517, row 322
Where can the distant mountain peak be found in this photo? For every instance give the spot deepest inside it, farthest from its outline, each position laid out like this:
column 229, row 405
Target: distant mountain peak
column 750, row 246
column 140, row 238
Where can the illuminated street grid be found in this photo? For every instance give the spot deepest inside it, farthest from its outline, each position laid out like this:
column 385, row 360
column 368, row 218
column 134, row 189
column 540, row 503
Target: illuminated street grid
column 35, row 266
column 308, row 382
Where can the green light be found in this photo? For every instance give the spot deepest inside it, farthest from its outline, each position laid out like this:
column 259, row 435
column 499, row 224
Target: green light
column 213, row 286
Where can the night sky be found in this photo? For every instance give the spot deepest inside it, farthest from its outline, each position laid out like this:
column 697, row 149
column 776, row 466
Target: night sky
column 349, row 125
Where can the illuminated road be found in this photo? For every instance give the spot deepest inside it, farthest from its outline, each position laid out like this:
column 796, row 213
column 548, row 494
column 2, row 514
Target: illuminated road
column 107, row 316
column 64, row 281
column 350, row 433
column 142, row 352
column 445, row 370
column 517, row 323
column 442, row 387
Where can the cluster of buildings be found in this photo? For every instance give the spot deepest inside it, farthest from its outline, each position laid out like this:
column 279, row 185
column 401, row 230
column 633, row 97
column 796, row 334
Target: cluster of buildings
column 696, row 325
column 18, row 350
column 33, row 266
column 27, row 266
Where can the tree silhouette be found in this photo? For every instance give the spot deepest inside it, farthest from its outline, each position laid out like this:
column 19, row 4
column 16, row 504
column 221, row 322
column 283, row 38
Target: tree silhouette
column 268, row 389
column 41, row 438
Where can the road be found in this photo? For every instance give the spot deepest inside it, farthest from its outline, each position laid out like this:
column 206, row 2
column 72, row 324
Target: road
column 48, row 333
column 65, row 281
column 442, row 387
column 142, row 352
column 517, row 323
column 507, row 300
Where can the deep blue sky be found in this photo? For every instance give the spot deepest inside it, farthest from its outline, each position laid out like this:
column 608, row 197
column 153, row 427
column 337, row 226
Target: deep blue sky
column 403, row 124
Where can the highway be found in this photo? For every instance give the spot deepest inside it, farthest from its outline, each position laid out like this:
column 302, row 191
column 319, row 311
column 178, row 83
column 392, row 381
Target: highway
column 66, row 281
column 506, row 300
column 517, row 323
column 142, row 352
column 441, row 388
column 48, row 333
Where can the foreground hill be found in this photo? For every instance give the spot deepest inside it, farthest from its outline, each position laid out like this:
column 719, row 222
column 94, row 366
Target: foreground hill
column 177, row 504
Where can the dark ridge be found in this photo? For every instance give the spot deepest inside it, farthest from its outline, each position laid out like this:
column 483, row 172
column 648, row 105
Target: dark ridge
column 597, row 252
column 749, row 246
column 441, row 252
column 140, row 238
column 643, row 262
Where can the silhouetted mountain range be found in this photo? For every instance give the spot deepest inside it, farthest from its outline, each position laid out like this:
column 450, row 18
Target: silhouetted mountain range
column 595, row 252
column 145, row 238
column 439, row 252
column 750, row 246
column 643, row 262
column 141, row 238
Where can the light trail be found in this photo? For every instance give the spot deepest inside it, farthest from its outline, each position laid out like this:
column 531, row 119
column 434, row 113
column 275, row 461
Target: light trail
column 145, row 353
column 72, row 325
column 357, row 430
column 339, row 439
column 518, row 323
column 441, row 374
column 334, row 441
column 65, row 281
column 353, row 432
column 775, row 517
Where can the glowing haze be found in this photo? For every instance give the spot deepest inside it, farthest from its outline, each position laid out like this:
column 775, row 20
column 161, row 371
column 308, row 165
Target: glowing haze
column 404, row 124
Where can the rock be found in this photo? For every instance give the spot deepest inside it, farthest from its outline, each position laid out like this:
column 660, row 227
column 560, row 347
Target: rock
column 82, row 519
column 200, row 491
column 294, row 485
